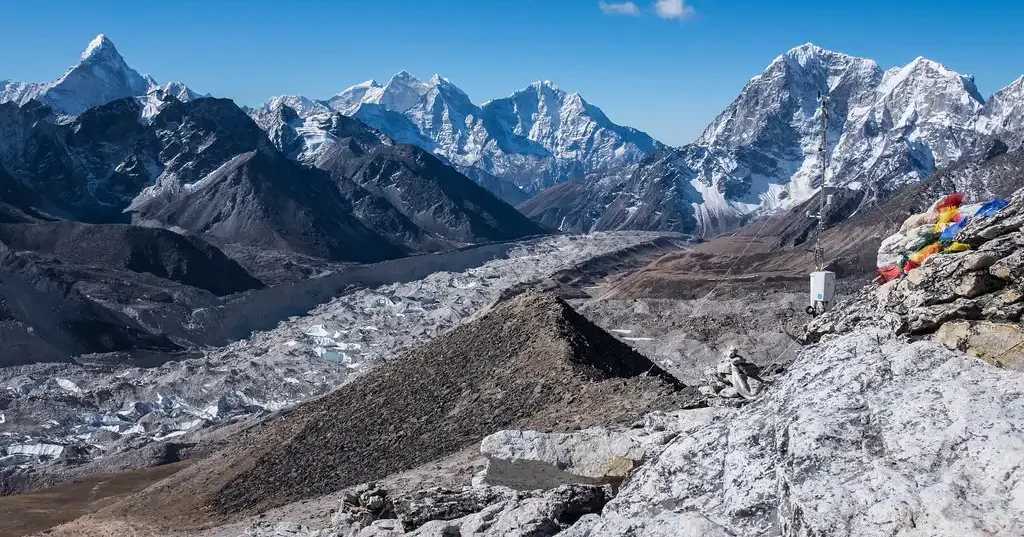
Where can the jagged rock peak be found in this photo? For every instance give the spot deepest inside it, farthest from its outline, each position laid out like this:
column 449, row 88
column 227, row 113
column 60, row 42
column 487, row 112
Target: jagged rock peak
column 404, row 76
column 541, row 84
column 101, row 45
column 922, row 68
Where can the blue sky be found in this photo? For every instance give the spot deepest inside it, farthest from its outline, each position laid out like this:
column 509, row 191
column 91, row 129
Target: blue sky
column 650, row 69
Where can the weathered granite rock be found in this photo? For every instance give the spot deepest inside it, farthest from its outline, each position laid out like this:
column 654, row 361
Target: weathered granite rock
column 528, row 460
column 1000, row 344
column 526, row 515
column 420, row 507
column 663, row 525
column 868, row 435
column 983, row 283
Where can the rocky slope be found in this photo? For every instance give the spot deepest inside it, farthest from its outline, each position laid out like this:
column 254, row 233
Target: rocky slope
column 392, row 186
column 46, row 317
column 886, row 129
column 532, row 361
column 903, row 439
column 264, row 200
column 184, row 259
column 536, row 137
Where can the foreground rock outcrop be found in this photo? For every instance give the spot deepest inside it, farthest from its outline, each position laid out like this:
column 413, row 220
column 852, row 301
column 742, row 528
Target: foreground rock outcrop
column 971, row 301
column 867, row 435
column 985, row 283
column 889, row 424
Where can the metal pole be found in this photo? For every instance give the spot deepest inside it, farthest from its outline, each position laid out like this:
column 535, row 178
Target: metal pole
column 819, row 252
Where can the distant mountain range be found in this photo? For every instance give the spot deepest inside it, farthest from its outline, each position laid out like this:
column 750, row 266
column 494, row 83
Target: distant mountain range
column 103, row 144
column 100, row 77
column 887, row 129
column 516, row 146
column 551, row 153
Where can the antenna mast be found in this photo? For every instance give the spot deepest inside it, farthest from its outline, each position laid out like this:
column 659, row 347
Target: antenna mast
column 823, row 282
column 823, row 161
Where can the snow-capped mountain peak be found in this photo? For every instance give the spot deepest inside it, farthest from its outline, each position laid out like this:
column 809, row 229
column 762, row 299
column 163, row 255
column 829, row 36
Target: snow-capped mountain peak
column 1004, row 111
column 100, row 46
column 541, row 84
column 400, row 94
column 303, row 106
column 923, row 71
column 348, row 100
column 886, row 129
column 802, row 52
column 536, row 137
column 101, row 76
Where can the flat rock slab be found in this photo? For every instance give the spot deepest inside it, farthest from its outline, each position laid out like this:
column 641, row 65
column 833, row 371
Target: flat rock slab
column 1000, row 344
column 529, row 460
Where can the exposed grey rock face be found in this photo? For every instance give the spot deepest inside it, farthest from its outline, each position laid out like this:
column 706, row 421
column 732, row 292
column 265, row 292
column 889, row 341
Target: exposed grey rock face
column 1001, row 344
column 534, row 514
column 981, row 284
column 867, row 435
column 687, row 524
column 476, row 512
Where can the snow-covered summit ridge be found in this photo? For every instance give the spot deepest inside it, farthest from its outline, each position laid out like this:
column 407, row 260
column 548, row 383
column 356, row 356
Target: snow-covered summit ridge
column 536, row 137
column 101, row 76
column 886, row 128
column 101, row 44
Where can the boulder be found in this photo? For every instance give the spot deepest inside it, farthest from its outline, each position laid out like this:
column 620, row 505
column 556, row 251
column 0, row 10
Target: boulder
column 867, row 435
column 1000, row 344
column 529, row 515
column 528, row 460
column 1010, row 268
column 420, row 507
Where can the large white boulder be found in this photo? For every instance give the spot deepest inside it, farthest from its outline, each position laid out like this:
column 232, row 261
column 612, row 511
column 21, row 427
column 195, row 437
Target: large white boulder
column 528, row 460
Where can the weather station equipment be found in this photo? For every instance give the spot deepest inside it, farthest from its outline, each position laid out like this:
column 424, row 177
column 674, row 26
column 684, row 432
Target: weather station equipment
column 823, row 282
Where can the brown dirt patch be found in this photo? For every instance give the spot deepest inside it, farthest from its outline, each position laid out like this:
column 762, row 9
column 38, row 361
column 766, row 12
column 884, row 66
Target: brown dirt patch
column 29, row 513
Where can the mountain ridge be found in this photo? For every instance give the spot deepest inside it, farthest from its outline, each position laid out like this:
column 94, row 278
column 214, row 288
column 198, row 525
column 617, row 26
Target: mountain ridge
column 536, row 137
column 887, row 128
column 174, row 159
column 100, row 76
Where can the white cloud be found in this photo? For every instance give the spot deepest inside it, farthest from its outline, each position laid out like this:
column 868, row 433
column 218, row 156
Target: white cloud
column 622, row 8
column 673, row 9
